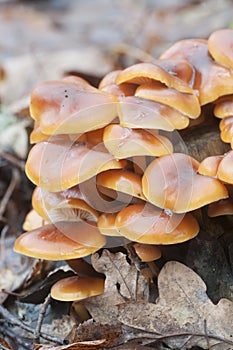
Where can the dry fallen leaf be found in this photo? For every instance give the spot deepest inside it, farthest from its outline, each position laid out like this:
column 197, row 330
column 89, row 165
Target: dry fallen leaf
column 184, row 316
column 123, row 282
column 86, row 345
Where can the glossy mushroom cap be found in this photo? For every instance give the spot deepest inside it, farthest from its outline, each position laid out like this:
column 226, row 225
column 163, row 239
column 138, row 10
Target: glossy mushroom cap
column 225, row 169
column 62, row 241
column 172, row 182
column 209, row 166
column 223, row 207
column 147, row 252
column 150, row 225
column 144, row 73
column 138, row 113
column 106, row 224
column 124, row 142
column 59, row 164
column 123, row 181
column 220, row 44
column 71, row 106
column 77, row 288
column 185, row 103
column 226, row 129
column 212, row 79
column 224, row 107
column 61, row 206
column 33, row 220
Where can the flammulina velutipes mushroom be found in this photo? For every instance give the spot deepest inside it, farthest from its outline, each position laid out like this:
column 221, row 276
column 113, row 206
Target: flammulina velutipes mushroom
column 117, row 140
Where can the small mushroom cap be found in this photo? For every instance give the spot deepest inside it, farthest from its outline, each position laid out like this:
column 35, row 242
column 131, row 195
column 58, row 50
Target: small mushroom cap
column 225, row 169
column 220, row 44
column 63, row 241
column 108, row 84
column 209, row 166
column 224, row 107
column 212, row 80
column 33, row 220
column 59, row 164
column 124, row 142
column 135, row 112
column 37, row 135
column 222, row 207
column 77, row 288
column 180, row 68
column 150, row 225
column 144, row 73
column 186, row 103
column 57, row 206
column 121, row 180
column 226, row 128
column 106, row 224
column 65, row 107
column 172, row 182
column 147, row 252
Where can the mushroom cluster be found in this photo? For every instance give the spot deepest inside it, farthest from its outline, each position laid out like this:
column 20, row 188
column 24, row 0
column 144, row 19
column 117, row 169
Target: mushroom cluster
column 104, row 162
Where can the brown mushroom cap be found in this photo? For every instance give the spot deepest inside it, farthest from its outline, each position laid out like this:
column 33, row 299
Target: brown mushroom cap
column 144, row 73
column 63, row 241
column 65, row 107
column 77, row 288
column 224, row 107
column 59, row 164
column 121, row 180
column 135, row 112
column 225, row 169
column 124, row 142
column 185, row 103
column 209, row 166
column 151, row 225
column 147, row 252
column 108, row 84
column 106, row 224
column 212, row 80
column 220, row 44
column 222, row 207
column 172, row 182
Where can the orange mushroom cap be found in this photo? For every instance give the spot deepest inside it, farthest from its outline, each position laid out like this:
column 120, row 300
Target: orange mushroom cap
column 124, row 142
column 77, row 288
column 151, row 225
column 121, row 180
column 143, row 73
column 220, row 44
column 222, row 207
column 59, row 164
column 33, row 220
column 185, row 103
column 66, row 107
column 226, row 128
column 63, row 241
column 147, row 252
column 135, row 112
column 225, row 169
column 224, row 107
column 212, row 80
column 172, row 182
column 108, row 84
column 209, row 166
column 106, row 224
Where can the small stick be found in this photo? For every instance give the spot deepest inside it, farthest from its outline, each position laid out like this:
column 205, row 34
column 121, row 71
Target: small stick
column 9, row 191
column 13, row 160
column 16, row 322
column 41, row 317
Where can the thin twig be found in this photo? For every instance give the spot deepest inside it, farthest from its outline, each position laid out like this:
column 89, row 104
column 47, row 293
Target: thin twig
column 16, row 322
column 206, row 335
column 9, row 191
column 41, row 317
column 2, row 244
column 10, row 158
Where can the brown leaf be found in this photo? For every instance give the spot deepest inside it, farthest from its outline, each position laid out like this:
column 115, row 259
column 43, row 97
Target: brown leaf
column 183, row 315
column 123, row 282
